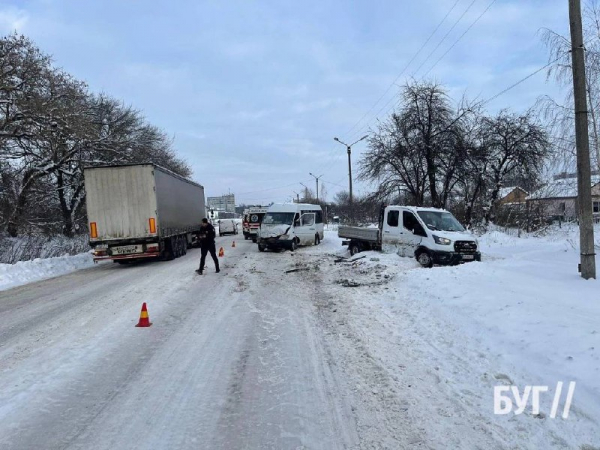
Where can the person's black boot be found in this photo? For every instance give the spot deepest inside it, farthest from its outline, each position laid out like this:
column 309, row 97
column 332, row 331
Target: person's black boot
column 218, row 270
column 199, row 271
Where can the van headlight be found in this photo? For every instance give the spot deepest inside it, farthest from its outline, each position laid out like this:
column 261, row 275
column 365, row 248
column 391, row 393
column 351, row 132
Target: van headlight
column 284, row 237
column 441, row 240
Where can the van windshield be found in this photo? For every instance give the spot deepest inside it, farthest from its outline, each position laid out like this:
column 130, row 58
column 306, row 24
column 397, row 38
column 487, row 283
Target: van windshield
column 275, row 218
column 441, row 221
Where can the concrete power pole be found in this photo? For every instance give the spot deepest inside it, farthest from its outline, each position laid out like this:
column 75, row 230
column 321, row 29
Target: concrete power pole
column 351, row 198
column 584, row 185
column 317, row 180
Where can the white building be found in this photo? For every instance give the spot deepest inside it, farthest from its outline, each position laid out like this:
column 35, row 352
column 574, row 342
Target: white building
column 222, row 203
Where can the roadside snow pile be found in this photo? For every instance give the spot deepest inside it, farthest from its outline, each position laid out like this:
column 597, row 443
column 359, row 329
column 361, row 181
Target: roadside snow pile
column 522, row 317
column 29, row 247
column 24, row 272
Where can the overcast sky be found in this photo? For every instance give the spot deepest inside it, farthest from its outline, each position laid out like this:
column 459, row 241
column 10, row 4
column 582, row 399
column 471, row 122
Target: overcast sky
column 253, row 92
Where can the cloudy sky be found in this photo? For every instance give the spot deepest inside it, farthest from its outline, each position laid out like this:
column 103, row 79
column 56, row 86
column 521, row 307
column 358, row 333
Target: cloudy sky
column 253, row 92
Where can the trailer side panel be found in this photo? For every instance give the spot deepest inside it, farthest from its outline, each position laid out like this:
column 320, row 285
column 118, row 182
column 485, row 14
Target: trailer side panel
column 180, row 203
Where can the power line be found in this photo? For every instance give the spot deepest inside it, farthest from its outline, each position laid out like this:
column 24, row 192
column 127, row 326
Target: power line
column 268, row 189
column 461, row 36
column 406, row 67
column 445, row 36
column 439, row 59
column 335, row 158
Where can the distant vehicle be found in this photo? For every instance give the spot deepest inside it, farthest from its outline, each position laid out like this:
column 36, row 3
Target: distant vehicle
column 140, row 211
column 227, row 226
column 288, row 225
column 252, row 220
column 432, row 236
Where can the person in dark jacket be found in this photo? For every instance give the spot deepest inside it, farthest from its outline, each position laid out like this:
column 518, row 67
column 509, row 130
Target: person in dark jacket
column 207, row 244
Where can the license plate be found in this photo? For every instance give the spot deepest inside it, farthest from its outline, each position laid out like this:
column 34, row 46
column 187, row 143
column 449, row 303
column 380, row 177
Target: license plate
column 126, row 249
column 468, row 256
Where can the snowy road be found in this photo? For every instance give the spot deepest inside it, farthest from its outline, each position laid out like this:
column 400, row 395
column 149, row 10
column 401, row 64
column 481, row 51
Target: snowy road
column 335, row 355
column 233, row 360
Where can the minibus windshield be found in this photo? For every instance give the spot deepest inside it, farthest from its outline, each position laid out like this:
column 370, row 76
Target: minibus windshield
column 281, row 218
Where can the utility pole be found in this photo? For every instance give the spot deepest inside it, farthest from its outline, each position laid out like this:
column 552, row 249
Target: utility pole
column 587, row 265
column 350, row 200
column 317, row 179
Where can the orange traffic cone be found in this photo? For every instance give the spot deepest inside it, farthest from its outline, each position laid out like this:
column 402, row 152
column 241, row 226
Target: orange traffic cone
column 221, row 252
column 144, row 319
column 233, row 244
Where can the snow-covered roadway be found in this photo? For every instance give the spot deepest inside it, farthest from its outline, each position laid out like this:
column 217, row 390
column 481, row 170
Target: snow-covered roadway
column 233, row 360
column 334, row 355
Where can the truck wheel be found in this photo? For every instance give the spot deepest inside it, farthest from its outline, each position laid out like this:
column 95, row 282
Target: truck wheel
column 293, row 245
column 169, row 252
column 354, row 249
column 425, row 259
column 317, row 239
column 183, row 245
column 177, row 246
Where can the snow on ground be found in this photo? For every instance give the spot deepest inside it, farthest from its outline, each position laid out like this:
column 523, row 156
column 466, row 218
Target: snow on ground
column 446, row 336
column 24, row 272
column 375, row 352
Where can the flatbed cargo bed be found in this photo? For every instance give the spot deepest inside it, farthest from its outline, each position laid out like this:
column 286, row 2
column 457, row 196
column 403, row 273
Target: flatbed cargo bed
column 359, row 233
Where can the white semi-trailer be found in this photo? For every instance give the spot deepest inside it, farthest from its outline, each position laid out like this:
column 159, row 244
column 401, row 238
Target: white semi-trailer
column 139, row 211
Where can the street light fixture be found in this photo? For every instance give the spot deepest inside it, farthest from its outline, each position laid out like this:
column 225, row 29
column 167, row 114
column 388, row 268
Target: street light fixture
column 317, row 179
column 349, row 147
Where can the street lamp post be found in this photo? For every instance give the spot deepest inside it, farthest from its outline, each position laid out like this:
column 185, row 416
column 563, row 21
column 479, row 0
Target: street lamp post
column 317, row 179
column 349, row 147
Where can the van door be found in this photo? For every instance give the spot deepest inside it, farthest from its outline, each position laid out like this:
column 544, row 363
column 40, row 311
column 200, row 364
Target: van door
column 307, row 230
column 391, row 229
column 412, row 233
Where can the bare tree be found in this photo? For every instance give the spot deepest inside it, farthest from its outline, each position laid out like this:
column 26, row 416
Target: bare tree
column 51, row 127
column 421, row 148
column 515, row 145
column 559, row 115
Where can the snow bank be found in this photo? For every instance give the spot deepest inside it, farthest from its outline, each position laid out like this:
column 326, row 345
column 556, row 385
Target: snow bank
column 523, row 316
column 24, row 272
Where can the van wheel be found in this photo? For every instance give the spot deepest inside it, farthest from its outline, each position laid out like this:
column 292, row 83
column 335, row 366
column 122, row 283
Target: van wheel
column 261, row 248
column 317, row 239
column 293, row 245
column 354, row 249
column 425, row 259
